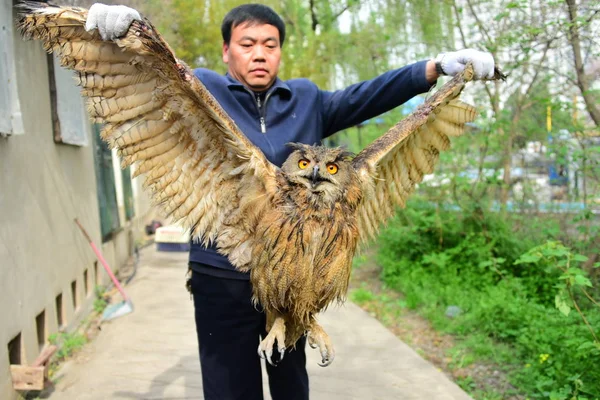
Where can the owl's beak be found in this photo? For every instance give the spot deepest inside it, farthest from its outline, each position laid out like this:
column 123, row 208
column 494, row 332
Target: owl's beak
column 315, row 174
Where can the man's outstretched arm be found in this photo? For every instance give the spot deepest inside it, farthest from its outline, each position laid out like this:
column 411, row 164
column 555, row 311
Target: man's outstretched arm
column 359, row 102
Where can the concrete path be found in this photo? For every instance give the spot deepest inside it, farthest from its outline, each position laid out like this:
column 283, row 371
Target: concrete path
column 152, row 353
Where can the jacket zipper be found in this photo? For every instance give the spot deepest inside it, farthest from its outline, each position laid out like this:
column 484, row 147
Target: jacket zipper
column 263, row 125
column 262, row 110
column 264, row 113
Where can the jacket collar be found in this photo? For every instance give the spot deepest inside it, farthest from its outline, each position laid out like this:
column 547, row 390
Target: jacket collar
column 277, row 85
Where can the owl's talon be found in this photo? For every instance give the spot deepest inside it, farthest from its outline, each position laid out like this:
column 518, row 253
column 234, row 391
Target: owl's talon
column 327, row 356
column 325, row 361
column 275, row 335
column 318, row 338
column 281, row 353
column 269, row 355
column 266, row 355
column 262, row 354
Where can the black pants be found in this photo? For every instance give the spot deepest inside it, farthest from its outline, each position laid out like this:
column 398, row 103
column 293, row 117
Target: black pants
column 228, row 328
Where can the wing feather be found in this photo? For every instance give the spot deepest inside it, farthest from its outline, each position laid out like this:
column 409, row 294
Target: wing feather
column 161, row 117
column 394, row 164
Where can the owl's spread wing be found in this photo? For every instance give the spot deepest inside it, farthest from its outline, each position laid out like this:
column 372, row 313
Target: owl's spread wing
column 393, row 164
column 197, row 163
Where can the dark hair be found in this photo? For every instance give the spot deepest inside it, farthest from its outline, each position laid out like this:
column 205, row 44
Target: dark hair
column 254, row 14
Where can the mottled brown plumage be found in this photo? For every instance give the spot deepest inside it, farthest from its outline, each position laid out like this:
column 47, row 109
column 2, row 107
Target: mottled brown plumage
column 295, row 228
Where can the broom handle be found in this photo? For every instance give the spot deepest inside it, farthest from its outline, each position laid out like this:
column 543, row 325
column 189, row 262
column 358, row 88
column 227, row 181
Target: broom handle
column 103, row 261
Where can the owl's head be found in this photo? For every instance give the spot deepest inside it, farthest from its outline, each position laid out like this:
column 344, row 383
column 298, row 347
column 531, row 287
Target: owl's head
column 324, row 172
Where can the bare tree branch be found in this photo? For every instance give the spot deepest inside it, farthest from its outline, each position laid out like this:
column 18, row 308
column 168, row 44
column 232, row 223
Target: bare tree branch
column 336, row 16
column 479, row 24
column 494, row 100
column 313, row 16
column 538, row 67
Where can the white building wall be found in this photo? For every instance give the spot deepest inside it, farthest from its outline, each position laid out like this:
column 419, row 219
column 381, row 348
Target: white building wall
column 44, row 186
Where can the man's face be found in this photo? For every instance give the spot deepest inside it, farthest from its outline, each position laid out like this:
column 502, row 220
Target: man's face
column 253, row 55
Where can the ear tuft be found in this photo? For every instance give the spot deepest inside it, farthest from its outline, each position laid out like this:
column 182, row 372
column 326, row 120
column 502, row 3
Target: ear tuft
column 344, row 154
column 297, row 146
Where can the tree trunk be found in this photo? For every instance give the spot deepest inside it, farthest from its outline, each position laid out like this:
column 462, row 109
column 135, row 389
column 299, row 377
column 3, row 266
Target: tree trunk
column 506, row 164
column 582, row 81
column 508, row 150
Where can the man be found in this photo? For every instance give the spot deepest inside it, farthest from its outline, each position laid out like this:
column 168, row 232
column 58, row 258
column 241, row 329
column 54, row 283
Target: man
column 272, row 113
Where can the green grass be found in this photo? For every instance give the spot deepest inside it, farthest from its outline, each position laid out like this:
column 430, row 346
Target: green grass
column 361, row 296
column 100, row 302
column 508, row 296
column 68, row 344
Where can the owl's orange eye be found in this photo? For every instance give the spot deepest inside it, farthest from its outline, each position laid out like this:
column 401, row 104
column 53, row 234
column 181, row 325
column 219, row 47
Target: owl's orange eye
column 303, row 164
column 332, row 169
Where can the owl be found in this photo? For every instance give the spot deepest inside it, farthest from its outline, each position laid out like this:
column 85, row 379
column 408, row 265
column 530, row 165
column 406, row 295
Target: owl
column 295, row 229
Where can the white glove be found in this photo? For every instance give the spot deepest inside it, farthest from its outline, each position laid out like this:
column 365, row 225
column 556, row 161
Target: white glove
column 112, row 21
column 454, row 62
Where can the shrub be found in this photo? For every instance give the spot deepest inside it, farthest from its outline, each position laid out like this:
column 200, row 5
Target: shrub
column 537, row 300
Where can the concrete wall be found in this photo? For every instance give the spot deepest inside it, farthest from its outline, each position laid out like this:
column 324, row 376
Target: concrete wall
column 44, row 186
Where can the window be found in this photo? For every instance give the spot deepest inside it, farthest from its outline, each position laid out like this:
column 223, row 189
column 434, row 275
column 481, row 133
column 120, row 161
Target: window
column 69, row 121
column 60, row 316
column 15, row 352
column 97, row 276
column 40, row 325
column 11, row 121
column 105, row 178
column 128, row 193
column 74, row 296
column 86, row 283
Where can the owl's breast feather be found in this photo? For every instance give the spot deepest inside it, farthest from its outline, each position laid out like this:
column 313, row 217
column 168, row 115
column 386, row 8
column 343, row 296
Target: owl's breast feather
column 302, row 263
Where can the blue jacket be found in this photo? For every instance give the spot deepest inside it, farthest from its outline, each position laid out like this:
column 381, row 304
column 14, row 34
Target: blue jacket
column 298, row 111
